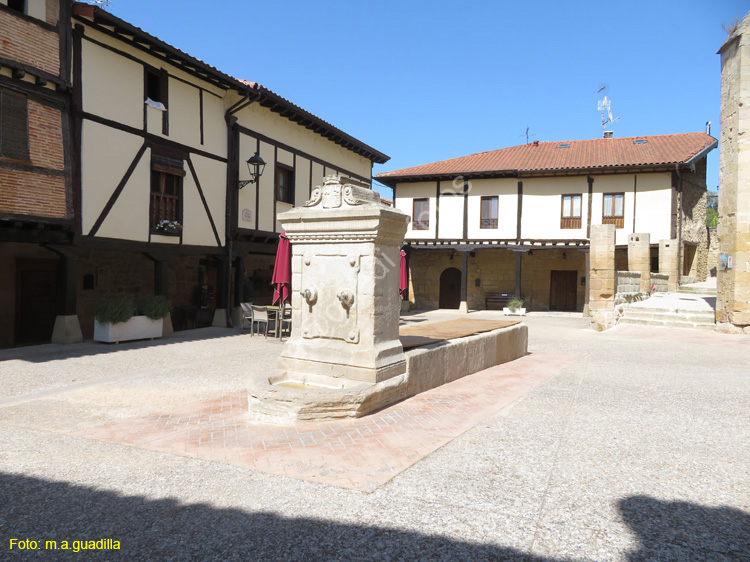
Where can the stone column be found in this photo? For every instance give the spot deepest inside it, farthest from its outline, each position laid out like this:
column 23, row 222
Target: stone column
column 345, row 270
column 733, row 285
column 669, row 262
column 639, row 258
column 602, row 276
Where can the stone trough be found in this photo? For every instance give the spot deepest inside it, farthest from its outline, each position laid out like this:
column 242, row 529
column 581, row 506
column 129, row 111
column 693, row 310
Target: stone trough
column 318, row 397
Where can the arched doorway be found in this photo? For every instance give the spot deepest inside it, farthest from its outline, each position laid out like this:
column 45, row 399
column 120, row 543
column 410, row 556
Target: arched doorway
column 450, row 288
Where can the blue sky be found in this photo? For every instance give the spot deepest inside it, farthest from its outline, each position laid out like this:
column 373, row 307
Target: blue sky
column 425, row 81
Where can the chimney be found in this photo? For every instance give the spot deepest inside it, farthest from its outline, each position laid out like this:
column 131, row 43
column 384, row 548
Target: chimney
column 609, row 134
column 708, row 127
column 536, row 143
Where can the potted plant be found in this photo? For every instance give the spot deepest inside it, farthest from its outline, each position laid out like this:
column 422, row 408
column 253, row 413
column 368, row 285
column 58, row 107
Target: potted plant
column 515, row 308
column 168, row 227
column 120, row 319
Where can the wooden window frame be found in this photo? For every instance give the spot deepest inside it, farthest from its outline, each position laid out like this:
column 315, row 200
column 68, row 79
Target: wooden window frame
column 421, row 224
column 488, row 222
column 571, row 221
column 281, row 168
column 17, row 147
column 617, row 220
column 165, row 206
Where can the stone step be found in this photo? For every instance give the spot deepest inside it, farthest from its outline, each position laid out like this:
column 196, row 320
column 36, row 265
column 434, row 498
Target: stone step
column 667, row 324
column 696, row 290
column 669, row 316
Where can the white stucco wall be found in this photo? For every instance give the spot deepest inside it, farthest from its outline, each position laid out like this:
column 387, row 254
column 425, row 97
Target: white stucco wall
column 108, row 154
column 542, row 206
column 112, row 86
column 196, row 225
column 506, row 191
column 451, row 222
column 405, row 195
column 653, row 205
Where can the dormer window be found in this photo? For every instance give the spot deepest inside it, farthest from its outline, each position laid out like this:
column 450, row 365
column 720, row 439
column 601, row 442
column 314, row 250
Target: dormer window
column 640, row 141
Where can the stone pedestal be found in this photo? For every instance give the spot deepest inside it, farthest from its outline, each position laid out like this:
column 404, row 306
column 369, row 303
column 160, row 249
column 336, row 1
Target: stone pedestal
column 345, row 271
column 67, row 329
column 639, row 258
column 669, row 262
column 733, row 284
column 602, row 276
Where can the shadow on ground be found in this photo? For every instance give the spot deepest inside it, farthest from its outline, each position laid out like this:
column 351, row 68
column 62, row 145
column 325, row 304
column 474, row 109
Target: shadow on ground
column 57, row 352
column 167, row 530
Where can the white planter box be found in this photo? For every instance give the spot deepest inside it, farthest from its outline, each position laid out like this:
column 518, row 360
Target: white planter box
column 137, row 328
column 517, row 312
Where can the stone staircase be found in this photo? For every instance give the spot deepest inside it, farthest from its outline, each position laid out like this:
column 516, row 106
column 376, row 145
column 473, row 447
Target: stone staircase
column 672, row 310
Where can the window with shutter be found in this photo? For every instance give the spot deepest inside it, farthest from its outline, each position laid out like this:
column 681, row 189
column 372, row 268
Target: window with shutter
column 14, row 126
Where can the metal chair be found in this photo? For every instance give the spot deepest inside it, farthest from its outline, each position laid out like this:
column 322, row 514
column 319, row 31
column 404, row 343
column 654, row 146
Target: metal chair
column 285, row 322
column 246, row 315
column 259, row 316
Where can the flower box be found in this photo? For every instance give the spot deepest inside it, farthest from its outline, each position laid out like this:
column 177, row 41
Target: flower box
column 516, row 312
column 137, row 328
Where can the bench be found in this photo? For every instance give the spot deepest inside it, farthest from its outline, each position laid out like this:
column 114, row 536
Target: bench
column 497, row 298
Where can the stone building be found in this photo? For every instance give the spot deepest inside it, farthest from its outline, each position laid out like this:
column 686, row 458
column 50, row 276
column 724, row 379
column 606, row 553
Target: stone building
column 517, row 221
column 150, row 188
column 733, row 283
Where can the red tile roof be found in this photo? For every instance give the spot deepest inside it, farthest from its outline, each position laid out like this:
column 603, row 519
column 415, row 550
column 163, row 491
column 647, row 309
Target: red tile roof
column 657, row 150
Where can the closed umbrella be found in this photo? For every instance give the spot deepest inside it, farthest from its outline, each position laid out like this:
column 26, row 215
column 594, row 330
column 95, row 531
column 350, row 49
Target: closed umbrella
column 282, row 271
column 403, row 278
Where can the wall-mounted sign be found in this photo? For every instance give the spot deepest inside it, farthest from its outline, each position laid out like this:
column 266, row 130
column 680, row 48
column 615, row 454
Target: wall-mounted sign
column 723, row 261
column 247, row 215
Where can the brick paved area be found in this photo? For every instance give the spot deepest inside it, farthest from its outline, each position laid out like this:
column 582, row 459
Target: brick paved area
column 359, row 453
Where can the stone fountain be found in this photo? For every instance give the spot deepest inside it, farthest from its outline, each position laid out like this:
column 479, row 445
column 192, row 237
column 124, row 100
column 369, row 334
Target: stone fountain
column 344, row 357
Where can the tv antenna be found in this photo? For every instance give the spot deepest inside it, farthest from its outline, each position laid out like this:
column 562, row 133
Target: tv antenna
column 605, row 106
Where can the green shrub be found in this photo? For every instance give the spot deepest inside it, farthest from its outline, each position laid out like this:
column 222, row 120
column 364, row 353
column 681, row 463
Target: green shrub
column 154, row 307
column 115, row 310
column 514, row 304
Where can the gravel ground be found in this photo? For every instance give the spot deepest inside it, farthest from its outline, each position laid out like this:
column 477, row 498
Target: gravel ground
column 637, row 452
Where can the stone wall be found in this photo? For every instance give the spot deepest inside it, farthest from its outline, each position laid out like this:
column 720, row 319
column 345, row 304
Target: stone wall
column 713, row 252
column 660, row 282
column 733, row 285
column 694, row 221
column 628, row 281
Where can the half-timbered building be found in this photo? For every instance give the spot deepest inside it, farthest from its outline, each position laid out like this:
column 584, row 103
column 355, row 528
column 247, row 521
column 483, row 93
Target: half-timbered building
column 516, row 221
column 161, row 197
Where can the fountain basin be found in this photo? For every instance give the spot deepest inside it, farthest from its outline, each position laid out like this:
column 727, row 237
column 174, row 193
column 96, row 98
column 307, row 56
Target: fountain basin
column 291, row 396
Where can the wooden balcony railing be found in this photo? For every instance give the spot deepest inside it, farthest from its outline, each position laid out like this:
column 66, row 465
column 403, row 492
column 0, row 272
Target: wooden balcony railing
column 164, row 207
column 619, row 222
column 570, row 222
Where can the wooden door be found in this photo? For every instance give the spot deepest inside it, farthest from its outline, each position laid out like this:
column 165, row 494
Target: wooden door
column 563, row 290
column 450, row 288
column 36, row 300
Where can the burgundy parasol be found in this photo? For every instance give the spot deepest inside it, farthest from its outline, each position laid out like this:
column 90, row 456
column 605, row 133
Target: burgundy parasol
column 403, row 279
column 282, row 271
